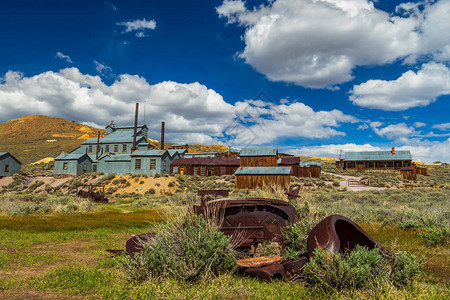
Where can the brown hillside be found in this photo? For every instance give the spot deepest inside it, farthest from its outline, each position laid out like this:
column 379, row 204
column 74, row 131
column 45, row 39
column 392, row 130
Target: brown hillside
column 32, row 138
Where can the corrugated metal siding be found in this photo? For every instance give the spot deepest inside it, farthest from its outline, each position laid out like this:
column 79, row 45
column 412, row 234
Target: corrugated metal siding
column 378, row 155
column 261, row 151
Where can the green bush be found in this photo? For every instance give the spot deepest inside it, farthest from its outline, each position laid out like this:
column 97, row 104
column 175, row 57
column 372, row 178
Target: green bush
column 436, row 236
column 171, row 184
column 189, row 249
column 151, row 191
column 157, row 175
column 361, row 268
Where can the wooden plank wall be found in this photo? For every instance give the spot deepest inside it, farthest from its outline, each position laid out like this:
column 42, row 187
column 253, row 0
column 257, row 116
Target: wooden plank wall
column 261, row 181
column 422, row 171
column 410, row 174
column 258, row 161
column 218, row 170
column 311, row 171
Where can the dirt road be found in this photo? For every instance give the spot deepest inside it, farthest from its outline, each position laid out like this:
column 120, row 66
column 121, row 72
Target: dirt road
column 358, row 187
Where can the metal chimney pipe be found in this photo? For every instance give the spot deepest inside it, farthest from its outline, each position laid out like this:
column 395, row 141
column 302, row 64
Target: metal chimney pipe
column 162, row 135
column 135, row 128
column 98, row 145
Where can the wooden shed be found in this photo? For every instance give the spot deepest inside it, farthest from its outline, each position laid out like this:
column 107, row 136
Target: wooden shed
column 9, row 165
column 288, row 161
column 307, row 169
column 262, row 177
column 259, row 157
column 180, row 146
column 205, row 166
column 409, row 173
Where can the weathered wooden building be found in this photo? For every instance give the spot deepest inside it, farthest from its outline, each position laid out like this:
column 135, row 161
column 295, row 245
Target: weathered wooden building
column 180, row 146
column 409, row 172
column 375, row 160
column 259, row 157
column 205, row 166
column 288, row 161
column 262, row 177
column 9, row 165
column 73, row 163
column 307, row 169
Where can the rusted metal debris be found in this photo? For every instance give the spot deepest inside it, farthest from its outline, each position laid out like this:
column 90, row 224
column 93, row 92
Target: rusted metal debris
column 96, row 196
column 293, row 192
column 257, row 219
column 287, row 271
column 336, row 234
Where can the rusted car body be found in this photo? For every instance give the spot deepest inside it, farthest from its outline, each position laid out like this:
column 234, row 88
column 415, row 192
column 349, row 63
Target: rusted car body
column 257, row 219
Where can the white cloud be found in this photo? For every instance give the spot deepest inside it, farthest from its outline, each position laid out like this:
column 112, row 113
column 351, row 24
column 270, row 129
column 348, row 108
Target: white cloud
column 317, row 44
column 65, row 57
column 424, row 151
column 138, row 25
column 110, row 5
column 376, row 124
column 398, row 132
column 363, row 127
column 443, row 126
column 192, row 112
column 409, row 90
column 103, row 69
column 419, row 124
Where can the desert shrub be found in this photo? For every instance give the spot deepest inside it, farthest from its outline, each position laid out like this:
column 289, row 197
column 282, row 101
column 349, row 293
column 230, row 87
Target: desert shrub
column 157, row 184
column 76, row 183
column 48, row 188
column 157, row 175
column 141, row 182
column 406, row 268
column 150, row 191
column 296, row 234
column 136, row 179
column 112, row 190
column 35, row 185
column 336, row 184
column 360, row 268
column 188, row 249
column 171, row 184
column 436, row 236
column 127, row 183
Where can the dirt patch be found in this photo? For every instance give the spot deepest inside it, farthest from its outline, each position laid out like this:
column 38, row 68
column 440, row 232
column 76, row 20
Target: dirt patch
column 5, row 181
column 356, row 187
column 140, row 185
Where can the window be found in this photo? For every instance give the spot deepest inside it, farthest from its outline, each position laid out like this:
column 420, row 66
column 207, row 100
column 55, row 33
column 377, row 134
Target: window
column 124, row 148
column 152, row 164
column 195, row 170
column 107, row 148
column 202, row 172
column 65, row 166
column 164, row 165
column 90, row 149
column 116, row 148
column 6, row 168
column 94, row 168
column 137, row 164
column 84, row 168
column 175, row 170
column 406, row 164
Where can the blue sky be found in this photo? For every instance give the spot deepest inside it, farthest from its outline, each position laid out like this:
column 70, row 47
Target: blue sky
column 310, row 77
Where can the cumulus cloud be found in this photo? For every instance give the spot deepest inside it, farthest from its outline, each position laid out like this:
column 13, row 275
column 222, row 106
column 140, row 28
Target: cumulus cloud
column 65, row 57
column 398, row 132
column 138, row 25
column 317, row 44
column 419, row 124
column 192, row 112
column 409, row 90
column 424, row 151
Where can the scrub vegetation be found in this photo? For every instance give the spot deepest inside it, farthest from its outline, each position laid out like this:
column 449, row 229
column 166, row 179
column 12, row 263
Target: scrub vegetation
column 53, row 243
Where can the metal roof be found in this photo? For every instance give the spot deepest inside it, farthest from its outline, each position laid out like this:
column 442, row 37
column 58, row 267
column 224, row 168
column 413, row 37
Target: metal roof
column 179, row 145
column 200, row 154
column 119, row 157
column 310, row 163
column 123, row 135
column 261, row 151
column 378, row 155
column 7, row 153
column 207, row 161
column 71, row 156
column 288, row 161
column 153, row 152
column 263, row 171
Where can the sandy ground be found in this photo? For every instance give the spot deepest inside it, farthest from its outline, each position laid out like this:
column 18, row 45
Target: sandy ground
column 140, row 185
column 361, row 187
column 5, row 181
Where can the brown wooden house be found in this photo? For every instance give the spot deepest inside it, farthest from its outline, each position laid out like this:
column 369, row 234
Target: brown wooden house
column 205, row 166
column 180, row 146
column 259, row 157
column 262, row 177
column 375, row 160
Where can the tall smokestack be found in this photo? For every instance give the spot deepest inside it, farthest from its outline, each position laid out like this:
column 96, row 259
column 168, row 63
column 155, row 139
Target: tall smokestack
column 162, row 135
column 98, row 145
column 393, row 151
column 135, row 128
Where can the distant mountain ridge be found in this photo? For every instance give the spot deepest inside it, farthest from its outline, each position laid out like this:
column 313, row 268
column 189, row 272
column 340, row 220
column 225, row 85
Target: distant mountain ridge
column 32, row 138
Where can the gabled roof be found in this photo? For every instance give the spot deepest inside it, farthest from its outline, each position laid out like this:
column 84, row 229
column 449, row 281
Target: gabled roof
column 378, row 155
column 72, row 156
column 4, row 154
column 121, row 135
column 289, row 161
column 207, row 161
column 263, row 171
column 149, row 153
column 180, row 152
column 261, row 151
column 179, row 145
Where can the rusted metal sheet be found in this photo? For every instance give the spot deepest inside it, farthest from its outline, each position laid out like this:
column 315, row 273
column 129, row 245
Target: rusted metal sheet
column 257, row 262
column 138, row 242
column 293, row 191
column 336, row 234
column 287, row 271
column 256, row 219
